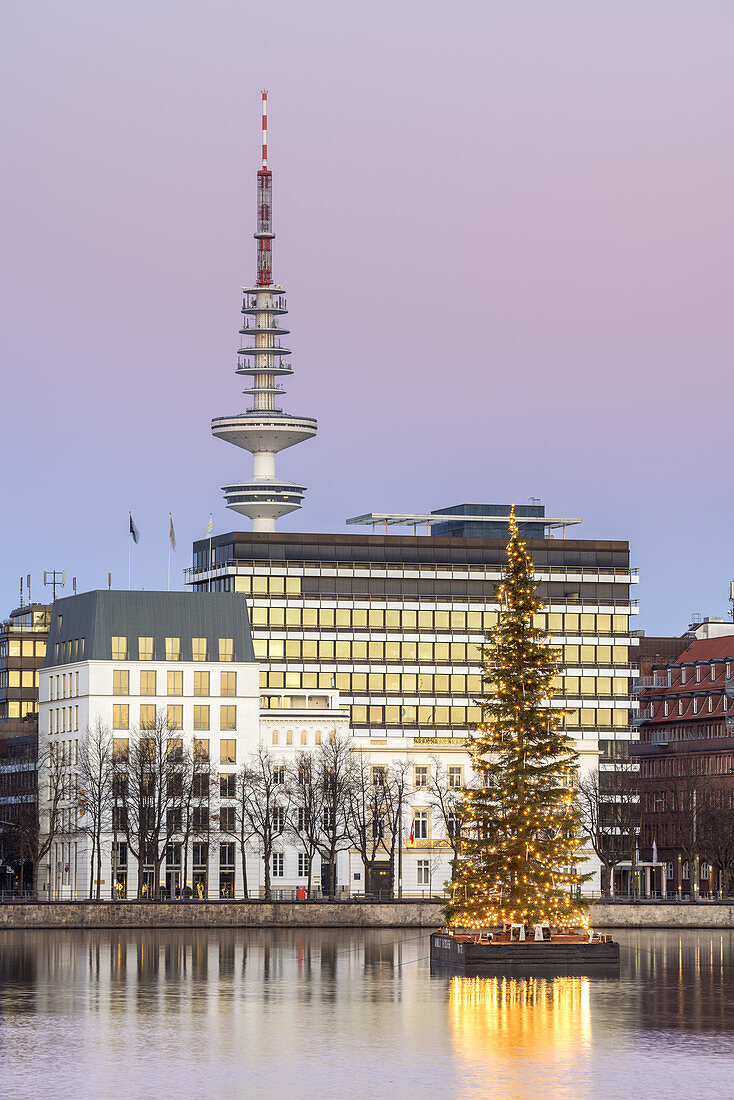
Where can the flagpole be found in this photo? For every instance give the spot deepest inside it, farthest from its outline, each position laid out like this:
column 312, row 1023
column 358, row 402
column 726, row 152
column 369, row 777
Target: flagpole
column 170, row 521
column 129, row 545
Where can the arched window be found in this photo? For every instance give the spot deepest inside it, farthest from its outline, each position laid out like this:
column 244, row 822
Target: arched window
column 289, row 737
column 304, row 737
column 275, row 737
column 317, row 737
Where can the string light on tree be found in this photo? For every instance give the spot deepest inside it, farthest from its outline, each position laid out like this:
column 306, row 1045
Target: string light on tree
column 522, row 829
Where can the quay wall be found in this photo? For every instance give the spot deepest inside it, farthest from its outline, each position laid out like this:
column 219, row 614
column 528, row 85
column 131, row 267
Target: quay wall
column 702, row 914
column 343, row 914
column 227, row 914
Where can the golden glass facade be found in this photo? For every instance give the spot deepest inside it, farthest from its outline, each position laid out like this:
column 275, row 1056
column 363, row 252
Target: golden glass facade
column 400, row 635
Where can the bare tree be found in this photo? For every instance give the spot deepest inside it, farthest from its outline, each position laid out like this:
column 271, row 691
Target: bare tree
column 307, row 808
column 716, row 828
column 234, row 816
column 266, row 800
column 447, row 800
column 199, row 785
column 396, row 782
column 335, row 766
column 151, row 789
column 368, row 811
column 610, row 806
column 40, row 815
column 95, row 775
column 681, row 807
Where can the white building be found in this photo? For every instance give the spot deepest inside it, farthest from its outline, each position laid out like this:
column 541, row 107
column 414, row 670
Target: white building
column 124, row 661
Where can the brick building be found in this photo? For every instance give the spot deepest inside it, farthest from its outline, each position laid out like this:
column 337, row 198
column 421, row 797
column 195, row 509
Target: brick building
column 686, row 758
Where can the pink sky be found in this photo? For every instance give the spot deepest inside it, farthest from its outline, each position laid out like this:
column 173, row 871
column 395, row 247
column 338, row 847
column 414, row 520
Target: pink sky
column 506, row 235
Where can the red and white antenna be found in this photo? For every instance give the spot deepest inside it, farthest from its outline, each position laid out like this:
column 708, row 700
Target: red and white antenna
column 264, row 233
column 265, row 130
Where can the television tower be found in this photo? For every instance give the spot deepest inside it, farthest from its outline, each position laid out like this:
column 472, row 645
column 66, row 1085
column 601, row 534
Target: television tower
column 264, row 429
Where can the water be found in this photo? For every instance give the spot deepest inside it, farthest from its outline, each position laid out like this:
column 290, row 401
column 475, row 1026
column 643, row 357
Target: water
column 225, row 1014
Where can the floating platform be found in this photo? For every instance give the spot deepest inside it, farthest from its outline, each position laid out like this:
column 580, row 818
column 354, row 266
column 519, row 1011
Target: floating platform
column 561, row 954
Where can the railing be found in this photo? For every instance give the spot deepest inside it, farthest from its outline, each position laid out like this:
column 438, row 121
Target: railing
column 644, row 683
column 287, row 894
column 410, row 569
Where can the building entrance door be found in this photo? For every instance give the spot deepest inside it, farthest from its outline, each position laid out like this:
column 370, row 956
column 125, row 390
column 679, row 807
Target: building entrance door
column 379, row 880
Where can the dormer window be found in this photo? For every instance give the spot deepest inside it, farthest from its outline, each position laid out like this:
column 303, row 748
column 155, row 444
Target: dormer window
column 670, row 677
column 698, row 674
column 713, row 671
column 728, row 670
column 711, row 703
column 680, row 706
column 695, row 706
column 666, row 707
column 683, row 674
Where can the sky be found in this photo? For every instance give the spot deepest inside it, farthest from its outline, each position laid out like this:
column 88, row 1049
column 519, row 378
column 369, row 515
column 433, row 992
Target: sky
column 506, row 235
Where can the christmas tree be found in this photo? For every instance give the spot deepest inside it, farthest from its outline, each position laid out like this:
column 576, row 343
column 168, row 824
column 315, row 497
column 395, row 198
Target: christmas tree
column 521, row 834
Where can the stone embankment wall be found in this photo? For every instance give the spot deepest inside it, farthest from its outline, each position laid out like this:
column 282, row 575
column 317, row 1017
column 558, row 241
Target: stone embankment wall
column 702, row 914
column 283, row 914
column 228, row 914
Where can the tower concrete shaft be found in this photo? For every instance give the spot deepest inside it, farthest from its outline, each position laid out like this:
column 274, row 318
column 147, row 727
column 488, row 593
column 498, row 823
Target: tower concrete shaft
column 264, row 429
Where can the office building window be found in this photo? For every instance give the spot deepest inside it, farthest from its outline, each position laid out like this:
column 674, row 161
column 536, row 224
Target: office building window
column 227, row 717
column 421, row 824
column 278, row 869
column 226, row 649
column 201, row 717
column 227, row 819
column 198, row 649
column 228, row 683
column 147, row 716
column 303, row 865
column 275, row 737
column 147, row 682
column 420, row 776
column 119, row 648
column 228, row 785
column 455, row 776
column 201, row 683
column 120, row 716
column 173, row 649
column 201, row 750
column 120, row 681
column 120, row 750
column 174, row 683
column 424, row 872
column 174, row 716
column 145, row 649
column 228, row 750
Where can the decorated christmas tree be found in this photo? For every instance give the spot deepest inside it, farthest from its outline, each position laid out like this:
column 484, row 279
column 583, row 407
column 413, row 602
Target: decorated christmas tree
column 521, row 834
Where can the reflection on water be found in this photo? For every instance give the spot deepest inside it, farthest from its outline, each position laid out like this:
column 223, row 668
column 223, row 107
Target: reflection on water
column 336, row 1013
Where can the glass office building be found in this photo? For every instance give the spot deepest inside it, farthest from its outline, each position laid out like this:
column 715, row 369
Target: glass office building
column 396, row 623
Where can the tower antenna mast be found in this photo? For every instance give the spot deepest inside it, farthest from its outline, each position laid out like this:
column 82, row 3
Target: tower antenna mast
column 265, row 429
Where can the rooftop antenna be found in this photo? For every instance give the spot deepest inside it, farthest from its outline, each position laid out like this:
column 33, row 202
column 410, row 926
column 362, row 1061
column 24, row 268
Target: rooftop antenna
column 731, row 599
column 54, row 577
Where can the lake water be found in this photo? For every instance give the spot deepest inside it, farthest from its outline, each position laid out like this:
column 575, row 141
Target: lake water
column 354, row 1014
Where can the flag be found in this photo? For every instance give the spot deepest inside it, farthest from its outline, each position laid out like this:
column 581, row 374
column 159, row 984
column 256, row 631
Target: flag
column 411, row 839
column 210, row 525
column 133, row 529
column 171, row 532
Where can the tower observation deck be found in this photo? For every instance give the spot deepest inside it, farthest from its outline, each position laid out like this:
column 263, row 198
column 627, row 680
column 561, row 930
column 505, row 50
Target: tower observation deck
column 264, row 429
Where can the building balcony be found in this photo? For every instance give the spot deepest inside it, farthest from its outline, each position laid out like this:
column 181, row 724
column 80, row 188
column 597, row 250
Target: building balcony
column 649, row 683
